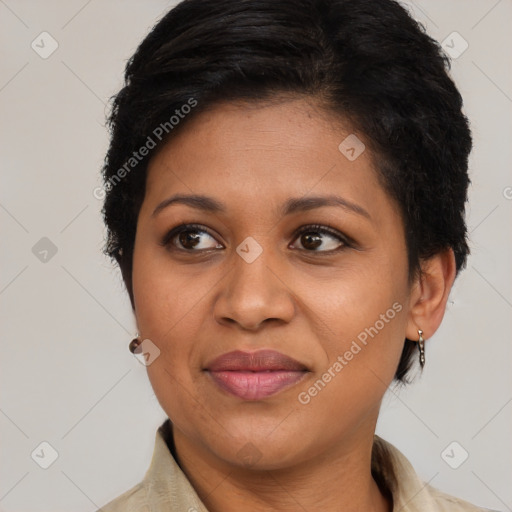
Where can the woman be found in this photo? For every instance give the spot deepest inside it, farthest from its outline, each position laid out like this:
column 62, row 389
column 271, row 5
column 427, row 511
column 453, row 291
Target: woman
column 286, row 185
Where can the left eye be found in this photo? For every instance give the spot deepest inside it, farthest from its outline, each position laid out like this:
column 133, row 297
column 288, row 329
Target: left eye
column 320, row 239
column 190, row 238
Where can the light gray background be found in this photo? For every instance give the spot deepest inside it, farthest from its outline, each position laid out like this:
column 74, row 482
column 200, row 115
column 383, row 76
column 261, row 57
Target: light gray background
column 67, row 377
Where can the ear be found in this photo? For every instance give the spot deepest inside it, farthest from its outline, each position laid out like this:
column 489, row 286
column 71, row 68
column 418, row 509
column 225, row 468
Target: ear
column 430, row 293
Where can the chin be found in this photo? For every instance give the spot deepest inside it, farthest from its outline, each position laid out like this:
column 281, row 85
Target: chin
column 257, row 443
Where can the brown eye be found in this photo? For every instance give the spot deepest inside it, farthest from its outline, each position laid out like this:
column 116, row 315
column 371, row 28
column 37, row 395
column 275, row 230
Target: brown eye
column 311, row 240
column 320, row 239
column 190, row 238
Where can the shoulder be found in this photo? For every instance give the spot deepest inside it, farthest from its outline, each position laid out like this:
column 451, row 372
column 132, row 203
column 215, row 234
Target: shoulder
column 164, row 488
column 410, row 493
column 132, row 500
column 445, row 502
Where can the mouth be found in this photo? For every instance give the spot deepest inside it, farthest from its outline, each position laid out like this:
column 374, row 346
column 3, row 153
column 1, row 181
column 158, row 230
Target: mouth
column 256, row 375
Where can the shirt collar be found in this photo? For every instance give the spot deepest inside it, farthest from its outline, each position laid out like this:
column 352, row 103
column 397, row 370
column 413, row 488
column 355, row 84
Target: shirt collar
column 167, row 488
column 390, row 466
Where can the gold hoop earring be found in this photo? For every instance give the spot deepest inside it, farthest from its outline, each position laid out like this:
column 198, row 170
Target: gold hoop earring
column 421, row 346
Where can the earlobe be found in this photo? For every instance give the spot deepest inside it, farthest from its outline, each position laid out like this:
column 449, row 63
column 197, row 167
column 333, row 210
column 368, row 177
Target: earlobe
column 430, row 295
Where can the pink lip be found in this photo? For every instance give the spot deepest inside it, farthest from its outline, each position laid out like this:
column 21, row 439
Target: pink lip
column 256, row 375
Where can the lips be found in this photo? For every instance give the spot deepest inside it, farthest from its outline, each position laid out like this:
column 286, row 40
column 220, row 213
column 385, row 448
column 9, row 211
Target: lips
column 255, row 375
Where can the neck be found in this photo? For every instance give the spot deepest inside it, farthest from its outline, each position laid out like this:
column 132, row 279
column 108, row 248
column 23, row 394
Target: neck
column 338, row 480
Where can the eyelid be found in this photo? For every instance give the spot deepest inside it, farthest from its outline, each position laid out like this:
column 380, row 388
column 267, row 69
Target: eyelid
column 325, row 229
column 166, row 240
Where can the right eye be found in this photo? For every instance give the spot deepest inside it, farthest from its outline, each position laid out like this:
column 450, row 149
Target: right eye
column 191, row 238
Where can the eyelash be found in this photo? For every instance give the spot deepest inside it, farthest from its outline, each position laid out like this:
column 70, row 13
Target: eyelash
column 315, row 228
column 326, row 230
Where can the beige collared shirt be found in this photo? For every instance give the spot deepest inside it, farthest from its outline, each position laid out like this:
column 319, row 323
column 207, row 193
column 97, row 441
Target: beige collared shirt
column 165, row 488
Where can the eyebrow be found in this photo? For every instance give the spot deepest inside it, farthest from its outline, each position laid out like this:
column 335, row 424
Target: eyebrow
column 205, row 203
column 303, row 204
column 292, row 205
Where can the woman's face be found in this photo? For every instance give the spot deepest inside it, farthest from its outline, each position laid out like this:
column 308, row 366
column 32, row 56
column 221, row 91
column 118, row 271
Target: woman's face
column 280, row 315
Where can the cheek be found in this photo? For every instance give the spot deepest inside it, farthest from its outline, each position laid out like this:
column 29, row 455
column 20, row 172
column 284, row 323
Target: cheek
column 353, row 297
column 362, row 310
column 165, row 304
column 171, row 309
column 163, row 294
column 363, row 344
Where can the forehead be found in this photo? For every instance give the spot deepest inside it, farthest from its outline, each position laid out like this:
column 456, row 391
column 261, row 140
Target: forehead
column 262, row 154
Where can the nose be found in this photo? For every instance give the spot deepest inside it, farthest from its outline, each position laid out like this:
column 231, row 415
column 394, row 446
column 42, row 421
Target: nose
column 254, row 294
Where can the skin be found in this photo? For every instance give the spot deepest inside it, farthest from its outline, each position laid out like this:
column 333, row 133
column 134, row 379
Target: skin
column 309, row 304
